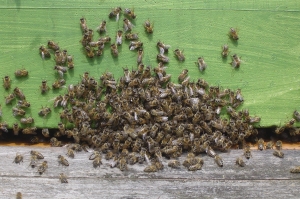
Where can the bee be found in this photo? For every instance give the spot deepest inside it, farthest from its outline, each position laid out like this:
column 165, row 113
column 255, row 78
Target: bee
column 236, row 61
column 44, row 111
column 58, row 57
column 225, row 50
column 28, row 120
column 70, row 62
column 37, row 154
column 58, row 83
column 115, row 13
column 19, row 195
column 279, row 130
column 210, row 152
column 34, row 139
column 9, row 98
column 29, row 131
column 201, row 64
column 83, row 25
column 21, row 73
column 278, row 153
column 130, row 12
column 18, row 159
column 122, row 164
column 97, row 161
column 174, row 164
column 132, row 36
column 4, row 126
column 63, row 178
column 16, row 128
column 195, row 167
column 114, row 50
column 6, row 82
column 162, row 58
column 278, row 145
column 19, row 93
column 62, row 160
column 239, row 161
column 44, row 52
column 119, row 37
column 179, row 54
column 247, row 152
column 23, row 104
column 127, row 25
column 135, row 45
column 53, row 45
column 151, row 168
column 219, row 160
column 296, row 115
column 55, row 143
column 18, row 112
column 89, row 52
column 233, row 34
column 42, row 168
column 148, row 26
column 45, row 133
column 61, row 128
column 261, row 144
column 183, row 75
column 33, row 161
column 102, row 27
column 44, row 87
column 94, row 155
column 269, row 145
column 140, row 56
column 295, row 169
column 163, row 48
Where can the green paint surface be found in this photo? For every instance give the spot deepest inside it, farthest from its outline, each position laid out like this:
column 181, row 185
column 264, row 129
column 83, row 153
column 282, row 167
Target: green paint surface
column 269, row 48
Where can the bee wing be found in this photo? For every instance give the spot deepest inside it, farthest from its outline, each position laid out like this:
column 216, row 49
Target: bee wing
column 119, row 40
column 117, row 17
column 43, row 55
column 132, row 48
column 161, row 50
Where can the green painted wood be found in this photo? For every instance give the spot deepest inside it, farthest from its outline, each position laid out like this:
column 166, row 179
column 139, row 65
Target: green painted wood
column 268, row 46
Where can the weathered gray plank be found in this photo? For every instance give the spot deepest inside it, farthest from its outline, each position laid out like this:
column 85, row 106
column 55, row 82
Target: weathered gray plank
column 264, row 175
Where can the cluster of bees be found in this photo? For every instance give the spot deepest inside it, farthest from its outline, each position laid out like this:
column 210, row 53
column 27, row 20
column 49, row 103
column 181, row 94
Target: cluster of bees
column 289, row 125
column 41, row 168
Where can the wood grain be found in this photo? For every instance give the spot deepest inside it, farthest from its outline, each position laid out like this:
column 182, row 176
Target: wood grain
column 263, row 176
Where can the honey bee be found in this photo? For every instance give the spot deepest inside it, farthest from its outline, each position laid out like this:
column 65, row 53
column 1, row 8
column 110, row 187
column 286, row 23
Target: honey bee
column 132, row 36
column 225, row 50
column 296, row 115
column 183, row 75
column 53, row 45
column 295, row 169
column 37, row 154
column 130, row 13
column 163, row 48
column 122, row 164
column 43, row 167
column 33, row 161
column 9, row 98
column 195, row 167
column 58, row 84
column 23, row 104
column 148, row 26
column 89, row 52
column 115, row 13
column 6, row 82
column 19, row 195
column 18, row 112
column 219, row 160
column 114, row 50
column 70, row 153
column 127, row 25
column 70, row 62
column 135, row 45
column 21, row 73
column 236, row 61
column 55, row 143
column 45, row 132
column 119, row 37
column 179, row 54
column 151, row 168
column 278, row 153
column 261, row 144
column 233, row 34
column 247, row 152
column 140, row 56
column 61, row 128
column 97, row 161
column 162, row 58
column 18, row 159
column 63, row 178
column 19, row 93
column 210, row 152
column 62, row 160
column 29, row 131
column 102, row 27
column 174, row 164
column 16, row 128
column 44, row 111
column 201, row 64
column 83, row 25
column 278, row 145
column 239, row 161
column 44, row 52
column 28, row 120
column 44, row 87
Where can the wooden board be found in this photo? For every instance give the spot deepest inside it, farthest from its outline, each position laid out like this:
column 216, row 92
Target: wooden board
column 263, row 176
column 268, row 77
